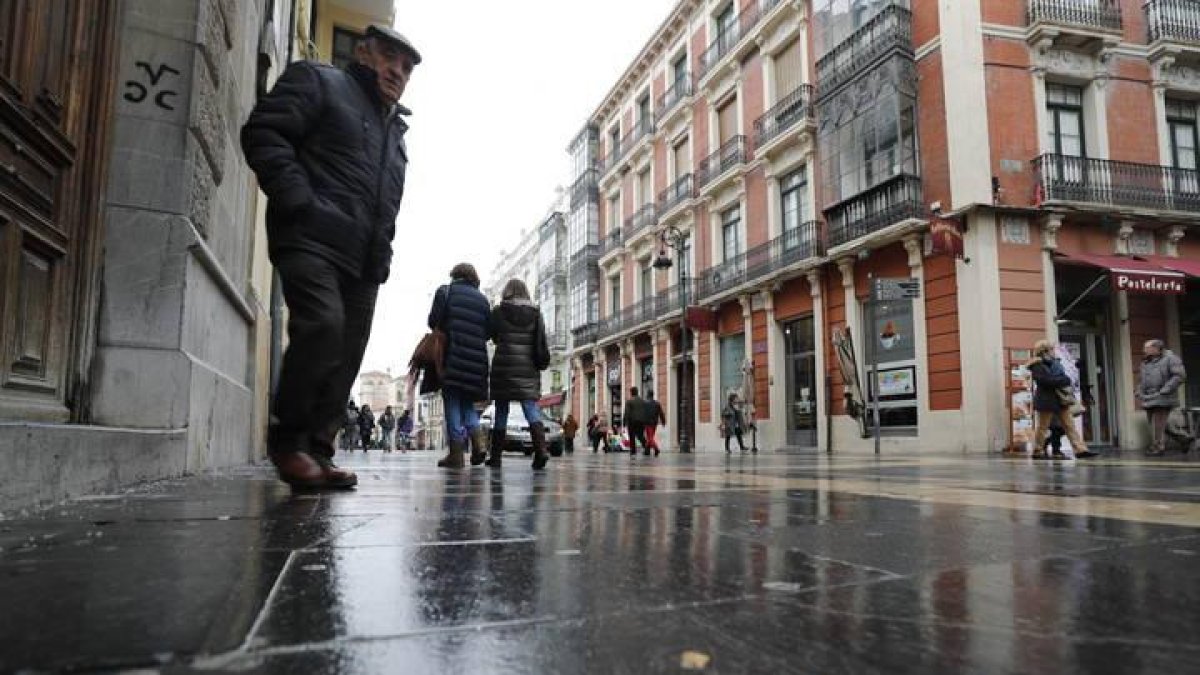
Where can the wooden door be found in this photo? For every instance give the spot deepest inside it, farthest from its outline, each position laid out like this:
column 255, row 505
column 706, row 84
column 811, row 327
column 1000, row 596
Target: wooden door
column 55, row 93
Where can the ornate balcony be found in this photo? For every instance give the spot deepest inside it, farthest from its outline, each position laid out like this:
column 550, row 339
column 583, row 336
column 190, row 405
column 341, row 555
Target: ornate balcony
column 585, row 189
column 1074, row 23
column 614, row 241
column 1173, row 21
column 586, row 334
column 1107, row 185
column 642, row 129
column 760, row 262
column 893, row 201
column 642, row 220
column 678, row 193
column 679, row 91
column 732, row 154
column 726, row 41
column 887, row 31
column 794, row 111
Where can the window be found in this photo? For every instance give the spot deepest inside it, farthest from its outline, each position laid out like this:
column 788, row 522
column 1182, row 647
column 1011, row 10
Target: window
column 1064, row 105
column 614, row 295
column 727, row 121
column 793, row 189
column 733, row 353
column 614, row 214
column 789, row 70
column 1181, row 118
column 344, row 42
column 644, row 117
column 679, row 73
column 646, row 191
column 683, row 266
column 647, row 280
column 726, row 24
column 614, row 141
column 683, row 158
column 835, row 20
column 731, row 221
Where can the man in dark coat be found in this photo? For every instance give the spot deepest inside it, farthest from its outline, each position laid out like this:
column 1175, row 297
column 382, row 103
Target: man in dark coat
column 327, row 146
column 366, row 426
column 522, row 353
column 635, row 415
column 462, row 313
column 1049, row 377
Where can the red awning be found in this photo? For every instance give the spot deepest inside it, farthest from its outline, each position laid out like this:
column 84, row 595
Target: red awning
column 551, row 400
column 1120, row 263
column 1188, row 267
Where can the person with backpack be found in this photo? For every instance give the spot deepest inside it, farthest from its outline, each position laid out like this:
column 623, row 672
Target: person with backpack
column 522, row 353
column 654, row 417
column 462, row 313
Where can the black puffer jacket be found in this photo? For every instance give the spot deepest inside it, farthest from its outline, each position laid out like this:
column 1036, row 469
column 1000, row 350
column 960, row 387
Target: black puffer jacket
column 462, row 312
column 522, row 351
column 331, row 158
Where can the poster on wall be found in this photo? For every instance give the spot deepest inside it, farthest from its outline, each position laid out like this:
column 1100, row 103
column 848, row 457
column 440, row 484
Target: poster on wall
column 1020, row 386
column 899, row 382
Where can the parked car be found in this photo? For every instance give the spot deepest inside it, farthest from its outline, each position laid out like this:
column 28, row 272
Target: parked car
column 517, row 439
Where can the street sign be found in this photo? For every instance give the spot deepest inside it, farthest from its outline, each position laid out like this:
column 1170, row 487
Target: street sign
column 885, row 289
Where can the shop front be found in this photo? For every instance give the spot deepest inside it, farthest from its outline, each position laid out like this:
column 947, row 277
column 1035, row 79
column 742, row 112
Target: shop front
column 801, row 392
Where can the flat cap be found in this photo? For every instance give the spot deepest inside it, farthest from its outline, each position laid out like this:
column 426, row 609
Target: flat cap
column 389, row 34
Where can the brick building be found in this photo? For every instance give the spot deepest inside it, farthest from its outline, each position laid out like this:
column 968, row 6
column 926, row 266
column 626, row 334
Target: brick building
column 1031, row 165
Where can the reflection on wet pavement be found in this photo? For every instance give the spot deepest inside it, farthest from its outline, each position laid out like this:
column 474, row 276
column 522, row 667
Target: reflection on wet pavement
column 751, row 564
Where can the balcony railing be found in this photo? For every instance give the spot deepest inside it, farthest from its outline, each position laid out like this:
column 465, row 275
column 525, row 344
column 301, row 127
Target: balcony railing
column 890, row 202
column 1102, row 14
column 890, row 29
column 641, row 129
column 586, row 188
column 1177, row 20
column 801, row 243
column 677, row 193
column 557, row 341
column 585, row 334
column 789, row 112
column 613, row 241
column 1118, row 184
column 585, row 256
column 729, row 38
column 730, row 154
column 679, row 90
column 641, row 219
column 667, row 301
column 552, row 268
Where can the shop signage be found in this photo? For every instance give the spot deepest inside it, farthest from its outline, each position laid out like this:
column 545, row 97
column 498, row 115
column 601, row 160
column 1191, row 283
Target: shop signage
column 1149, row 283
column 614, row 374
column 884, row 289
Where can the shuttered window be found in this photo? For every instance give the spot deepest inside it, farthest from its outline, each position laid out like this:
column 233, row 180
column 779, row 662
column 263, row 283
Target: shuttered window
column 789, row 73
column 683, row 159
column 727, row 120
column 647, row 195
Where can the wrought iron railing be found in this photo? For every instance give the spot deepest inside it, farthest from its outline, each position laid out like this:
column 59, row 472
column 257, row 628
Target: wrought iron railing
column 888, row 30
column 1109, row 183
column 1103, row 14
column 732, row 153
column 668, row 300
column 790, row 111
column 679, row 90
column 801, row 243
column 1173, row 20
column 585, row 334
column 677, row 193
column 892, row 201
column 586, row 188
column 641, row 129
column 613, row 241
column 726, row 40
column 641, row 219
column 584, row 256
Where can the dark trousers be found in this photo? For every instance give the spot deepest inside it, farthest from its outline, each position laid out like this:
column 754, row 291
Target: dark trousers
column 329, row 322
column 1158, row 418
column 737, row 431
column 637, row 434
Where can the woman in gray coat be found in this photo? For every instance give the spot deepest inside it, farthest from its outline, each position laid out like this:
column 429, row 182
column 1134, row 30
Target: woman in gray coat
column 1159, row 380
column 522, row 353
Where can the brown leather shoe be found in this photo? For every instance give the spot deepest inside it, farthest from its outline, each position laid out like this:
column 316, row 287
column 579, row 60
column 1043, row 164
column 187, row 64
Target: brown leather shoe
column 334, row 476
column 298, row 469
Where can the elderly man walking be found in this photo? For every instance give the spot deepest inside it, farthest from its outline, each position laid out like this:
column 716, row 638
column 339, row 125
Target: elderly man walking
column 327, row 146
column 1159, row 380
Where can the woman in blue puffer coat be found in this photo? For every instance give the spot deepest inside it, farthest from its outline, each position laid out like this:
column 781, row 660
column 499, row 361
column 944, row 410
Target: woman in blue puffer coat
column 462, row 313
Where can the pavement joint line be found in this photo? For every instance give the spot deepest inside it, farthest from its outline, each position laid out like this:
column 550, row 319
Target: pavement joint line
column 267, row 602
column 427, row 544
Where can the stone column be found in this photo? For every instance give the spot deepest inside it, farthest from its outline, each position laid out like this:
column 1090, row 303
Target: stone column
column 821, row 333
column 601, row 370
column 1050, row 228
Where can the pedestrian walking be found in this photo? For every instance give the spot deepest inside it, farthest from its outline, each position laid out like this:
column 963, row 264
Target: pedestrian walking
column 350, row 427
column 595, row 431
column 522, row 353
column 366, row 426
column 570, row 427
column 635, row 417
column 387, row 428
column 1159, row 378
column 461, row 312
column 404, row 429
column 655, row 416
column 733, row 423
column 327, row 146
column 1052, row 400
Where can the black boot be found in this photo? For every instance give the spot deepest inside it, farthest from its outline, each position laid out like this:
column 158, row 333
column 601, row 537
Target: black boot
column 478, row 446
column 496, row 448
column 454, row 458
column 537, row 431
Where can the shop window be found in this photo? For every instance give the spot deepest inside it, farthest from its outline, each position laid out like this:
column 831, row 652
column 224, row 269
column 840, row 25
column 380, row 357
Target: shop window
column 733, row 354
column 894, row 344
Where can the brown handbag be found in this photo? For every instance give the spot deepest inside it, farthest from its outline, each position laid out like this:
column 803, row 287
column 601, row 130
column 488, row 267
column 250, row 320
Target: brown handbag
column 430, row 353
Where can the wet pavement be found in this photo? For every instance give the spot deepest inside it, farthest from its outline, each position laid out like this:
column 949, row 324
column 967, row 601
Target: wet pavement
column 746, row 564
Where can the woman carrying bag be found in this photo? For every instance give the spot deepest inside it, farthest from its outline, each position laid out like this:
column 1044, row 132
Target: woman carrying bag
column 1053, row 400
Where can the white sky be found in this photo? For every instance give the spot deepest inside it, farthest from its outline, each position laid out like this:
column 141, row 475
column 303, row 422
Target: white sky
column 502, row 90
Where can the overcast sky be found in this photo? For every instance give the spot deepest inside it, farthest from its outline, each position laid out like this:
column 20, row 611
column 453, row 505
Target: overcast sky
column 502, row 90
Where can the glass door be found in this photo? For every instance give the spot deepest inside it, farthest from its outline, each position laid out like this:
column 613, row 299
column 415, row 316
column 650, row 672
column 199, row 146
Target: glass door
column 801, row 356
column 1091, row 354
